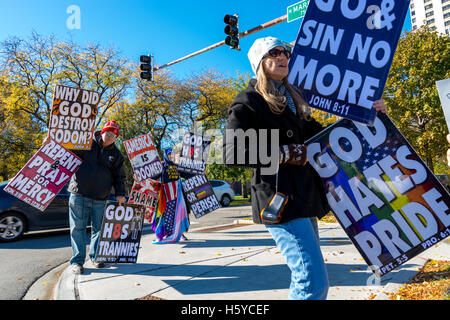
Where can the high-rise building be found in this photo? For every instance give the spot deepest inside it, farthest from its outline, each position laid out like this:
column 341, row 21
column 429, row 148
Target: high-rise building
column 434, row 13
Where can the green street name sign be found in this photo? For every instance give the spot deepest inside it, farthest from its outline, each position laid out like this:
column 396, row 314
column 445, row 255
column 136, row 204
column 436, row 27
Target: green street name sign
column 297, row 11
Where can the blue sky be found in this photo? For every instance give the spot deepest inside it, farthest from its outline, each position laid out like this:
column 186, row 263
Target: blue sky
column 168, row 29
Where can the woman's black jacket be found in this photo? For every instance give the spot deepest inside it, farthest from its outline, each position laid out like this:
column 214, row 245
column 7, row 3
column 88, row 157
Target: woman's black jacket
column 302, row 185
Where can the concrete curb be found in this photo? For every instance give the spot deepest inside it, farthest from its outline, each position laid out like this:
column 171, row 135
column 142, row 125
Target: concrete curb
column 38, row 291
column 236, row 223
column 66, row 287
column 399, row 279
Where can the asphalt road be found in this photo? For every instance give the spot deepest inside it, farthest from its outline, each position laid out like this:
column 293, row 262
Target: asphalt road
column 221, row 216
column 23, row 262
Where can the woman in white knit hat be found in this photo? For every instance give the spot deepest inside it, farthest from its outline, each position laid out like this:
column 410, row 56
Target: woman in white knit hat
column 270, row 102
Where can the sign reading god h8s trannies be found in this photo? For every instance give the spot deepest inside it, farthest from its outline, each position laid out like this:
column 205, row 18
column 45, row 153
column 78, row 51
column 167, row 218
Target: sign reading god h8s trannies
column 121, row 233
column 143, row 157
column 343, row 53
column 389, row 203
column 194, row 153
column 44, row 175
column 73, row 117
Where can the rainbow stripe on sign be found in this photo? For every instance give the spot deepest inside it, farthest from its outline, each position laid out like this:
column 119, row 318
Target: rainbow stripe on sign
column 201, row 192
column 388, row 202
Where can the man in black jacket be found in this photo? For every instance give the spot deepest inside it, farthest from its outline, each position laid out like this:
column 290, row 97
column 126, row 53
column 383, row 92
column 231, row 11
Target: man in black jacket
column 90, row 187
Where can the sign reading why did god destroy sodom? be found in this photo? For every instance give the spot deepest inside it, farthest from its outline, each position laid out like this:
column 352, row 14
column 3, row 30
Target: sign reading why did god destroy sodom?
column 343, row 54
column 72, row 121
column 389, row 203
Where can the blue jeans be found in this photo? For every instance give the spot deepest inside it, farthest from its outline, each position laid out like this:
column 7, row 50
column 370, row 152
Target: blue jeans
column 315, row 226
column 80, row 208
column 299, row 245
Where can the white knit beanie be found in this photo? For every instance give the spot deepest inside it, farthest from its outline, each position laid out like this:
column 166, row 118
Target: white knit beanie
column 260, row 48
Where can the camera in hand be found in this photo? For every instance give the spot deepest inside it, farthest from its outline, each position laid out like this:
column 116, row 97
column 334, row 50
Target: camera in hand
column 272, row 214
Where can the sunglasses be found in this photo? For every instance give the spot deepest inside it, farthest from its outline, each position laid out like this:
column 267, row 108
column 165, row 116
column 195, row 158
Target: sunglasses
column 110, row 134
column 276, row 52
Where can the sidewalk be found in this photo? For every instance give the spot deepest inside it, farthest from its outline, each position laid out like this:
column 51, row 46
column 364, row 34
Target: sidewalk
column 235, row 263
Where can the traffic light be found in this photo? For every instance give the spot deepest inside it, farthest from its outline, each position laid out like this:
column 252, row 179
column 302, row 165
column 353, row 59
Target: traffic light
column 147, row 67
column 232, row 31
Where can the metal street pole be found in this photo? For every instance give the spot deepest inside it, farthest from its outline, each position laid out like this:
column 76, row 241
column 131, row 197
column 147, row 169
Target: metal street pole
column 218, row 44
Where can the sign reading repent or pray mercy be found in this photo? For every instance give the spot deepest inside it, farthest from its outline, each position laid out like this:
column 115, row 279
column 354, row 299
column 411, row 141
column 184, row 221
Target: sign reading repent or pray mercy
column 44, row 175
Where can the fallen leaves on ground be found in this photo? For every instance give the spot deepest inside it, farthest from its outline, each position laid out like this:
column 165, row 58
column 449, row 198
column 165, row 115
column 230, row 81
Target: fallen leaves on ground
column 150, row 297
column 329, row 218
column 431, row 283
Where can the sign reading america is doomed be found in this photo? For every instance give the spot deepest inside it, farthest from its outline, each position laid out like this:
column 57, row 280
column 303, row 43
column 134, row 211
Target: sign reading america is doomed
column 146, row 193
column 44, row 175
column 200, row 196
column 121, row 233
column 343, row 54
column 73, row 116
column 194, row 153
column 386, row 199
column 143, row 157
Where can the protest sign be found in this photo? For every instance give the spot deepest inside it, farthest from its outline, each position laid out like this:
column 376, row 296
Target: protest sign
column 121, row 233
column 200, row 196
column 143, row 157
column 343, row 53
column 194, row 153
column 146, row 193
column 73, row 116
column 386, row 199
column 443, row 87
column 44, row 175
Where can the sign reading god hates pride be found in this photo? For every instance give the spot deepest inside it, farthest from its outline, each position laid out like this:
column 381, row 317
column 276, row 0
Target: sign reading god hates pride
column 44, row 175
column 121, row 233
column 73, row 117
column 143, row 157
column 386, row 199
column 343, row 53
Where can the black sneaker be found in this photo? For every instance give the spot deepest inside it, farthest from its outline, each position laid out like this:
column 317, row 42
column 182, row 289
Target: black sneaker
column 98, row 264
column 77, row 269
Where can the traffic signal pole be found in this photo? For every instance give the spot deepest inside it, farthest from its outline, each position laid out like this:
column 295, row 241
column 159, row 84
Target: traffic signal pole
column 221, row 43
